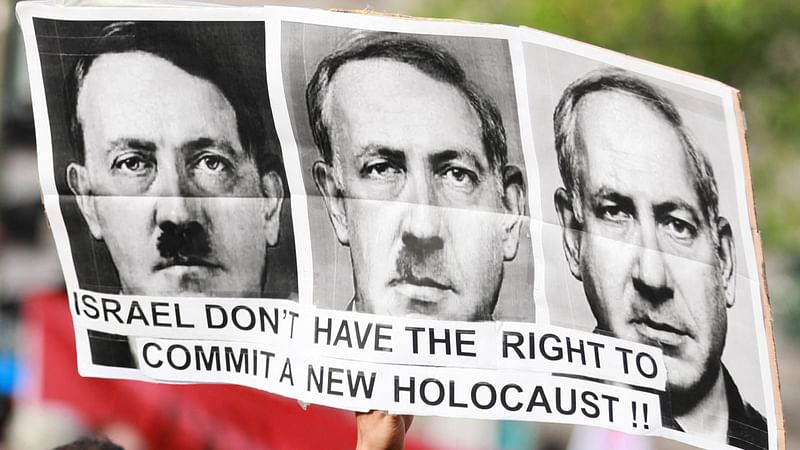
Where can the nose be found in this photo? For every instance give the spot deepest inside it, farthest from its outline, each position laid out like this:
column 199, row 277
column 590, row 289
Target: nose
column 422, row 222
column 651, row 277
column 173, row 197
column 421, row 229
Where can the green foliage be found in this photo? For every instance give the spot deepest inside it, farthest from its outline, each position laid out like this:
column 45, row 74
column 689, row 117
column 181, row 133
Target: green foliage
column 754, row 46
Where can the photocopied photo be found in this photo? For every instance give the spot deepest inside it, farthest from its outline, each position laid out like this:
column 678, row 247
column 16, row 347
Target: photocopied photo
column 642, row 237
column 167, row 162
column 426, row 217
column 166, row 157
column 410, row 154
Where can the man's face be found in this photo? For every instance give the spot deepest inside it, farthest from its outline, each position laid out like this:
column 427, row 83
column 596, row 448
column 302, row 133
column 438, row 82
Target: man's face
column 647, row 257
column 166, row 183
column 411, row 191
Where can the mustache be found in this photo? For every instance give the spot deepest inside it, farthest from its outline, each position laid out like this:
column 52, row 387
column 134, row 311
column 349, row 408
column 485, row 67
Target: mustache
column 183, row 241
column 422, row 268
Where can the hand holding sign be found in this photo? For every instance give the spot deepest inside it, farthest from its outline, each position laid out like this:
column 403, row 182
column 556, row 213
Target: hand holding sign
column 379, row 430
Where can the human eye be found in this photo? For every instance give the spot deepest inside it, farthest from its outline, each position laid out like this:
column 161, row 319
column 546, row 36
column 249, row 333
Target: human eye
column 212, row 163
column 380, row 169
column 460, row 177
column 132, row 164
column 612, row 211
column 680, row 229
column 212, row 172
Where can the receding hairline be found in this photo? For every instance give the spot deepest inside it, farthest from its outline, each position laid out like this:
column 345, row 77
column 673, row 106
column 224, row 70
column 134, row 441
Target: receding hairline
column 430, row 58
column 583, row 118
column 686, row 147
column 203, row 58
column 106, row 60
column 330, row 91
column 581, row 105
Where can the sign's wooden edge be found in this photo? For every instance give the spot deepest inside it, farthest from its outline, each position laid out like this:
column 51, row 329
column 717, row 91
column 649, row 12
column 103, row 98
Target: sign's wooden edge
column 765, row 302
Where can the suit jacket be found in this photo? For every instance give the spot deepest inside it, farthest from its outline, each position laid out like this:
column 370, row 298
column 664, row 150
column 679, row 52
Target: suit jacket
column 747, row 428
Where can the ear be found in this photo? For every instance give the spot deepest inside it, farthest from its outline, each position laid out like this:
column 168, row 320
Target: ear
column 78, row 181
column 514, row 202
column 572, row 231
column 272, row 188
column 325, row 179
column 727, row 260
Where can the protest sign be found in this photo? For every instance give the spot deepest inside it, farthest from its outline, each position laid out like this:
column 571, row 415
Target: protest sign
column 423, row 217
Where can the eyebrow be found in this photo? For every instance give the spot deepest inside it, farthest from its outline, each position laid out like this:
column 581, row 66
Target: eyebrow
column 606, row 193
column 659, row 210
column 437, row 158
column 132, row 143
column 458, row 154
column 206, row 142
column 667, row 207
column 383, row 151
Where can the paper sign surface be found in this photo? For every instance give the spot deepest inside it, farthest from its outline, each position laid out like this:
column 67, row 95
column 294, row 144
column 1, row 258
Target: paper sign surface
column 423, row 217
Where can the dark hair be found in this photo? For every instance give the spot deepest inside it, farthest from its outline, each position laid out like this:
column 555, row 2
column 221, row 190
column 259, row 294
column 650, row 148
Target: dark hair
column 90, row 443
column 430, row 59
column 617, row 80
column 190, row 55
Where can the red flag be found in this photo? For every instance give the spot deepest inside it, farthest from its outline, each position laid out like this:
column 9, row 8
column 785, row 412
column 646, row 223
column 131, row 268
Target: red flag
column 178, row 417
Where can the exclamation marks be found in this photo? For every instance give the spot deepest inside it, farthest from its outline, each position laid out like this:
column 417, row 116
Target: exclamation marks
column 635, row 424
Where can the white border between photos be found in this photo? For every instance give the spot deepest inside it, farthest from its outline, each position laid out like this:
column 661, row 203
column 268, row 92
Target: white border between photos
column 291, row 158
column 536, row 224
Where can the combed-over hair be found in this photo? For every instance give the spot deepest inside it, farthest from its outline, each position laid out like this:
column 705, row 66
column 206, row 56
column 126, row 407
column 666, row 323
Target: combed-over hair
column 190, row 55
column 430, row 59
column 568, row 141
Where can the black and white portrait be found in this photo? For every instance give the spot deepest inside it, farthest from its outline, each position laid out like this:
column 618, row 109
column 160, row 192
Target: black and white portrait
column 167, row 162
column 410, row 154
column 563, row 233
column 166, row 158
column 641, row 240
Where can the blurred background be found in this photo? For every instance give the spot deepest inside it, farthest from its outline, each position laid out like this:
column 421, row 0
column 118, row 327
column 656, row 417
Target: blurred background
column 753, row 46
